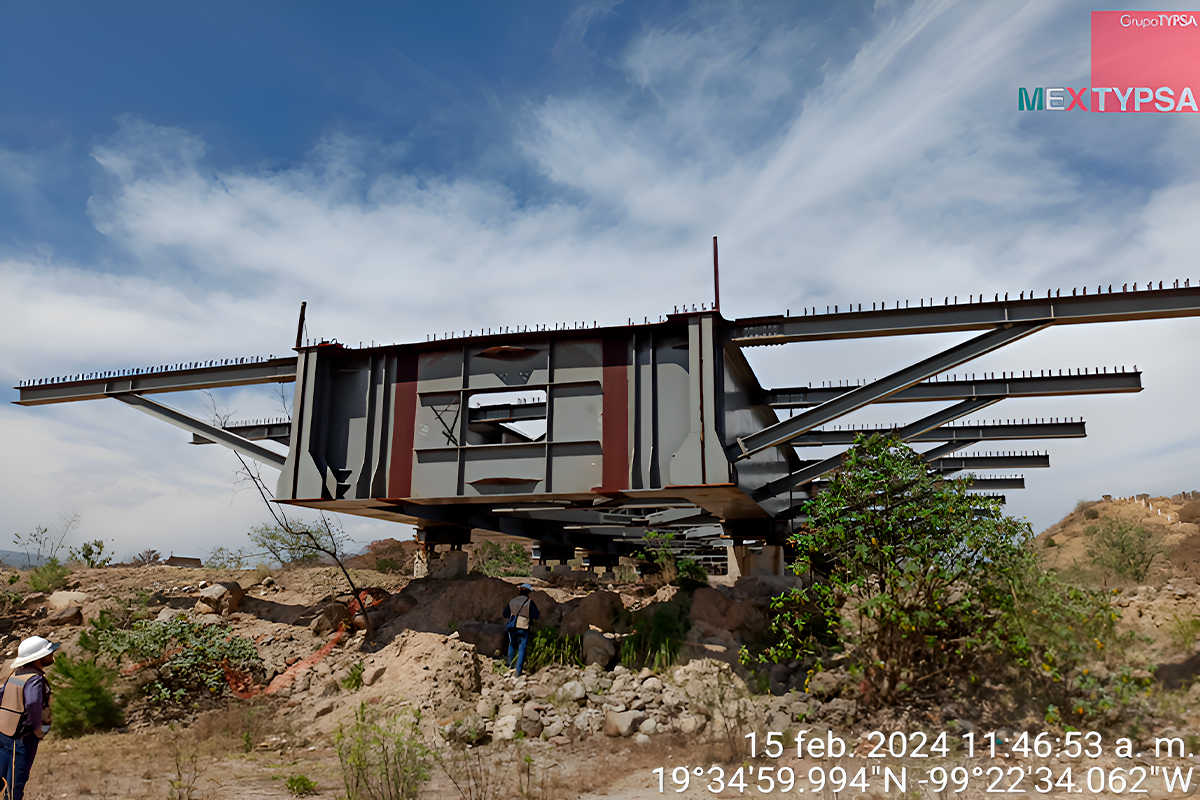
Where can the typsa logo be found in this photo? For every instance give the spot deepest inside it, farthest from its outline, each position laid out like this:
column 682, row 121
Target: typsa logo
column 1143, row 62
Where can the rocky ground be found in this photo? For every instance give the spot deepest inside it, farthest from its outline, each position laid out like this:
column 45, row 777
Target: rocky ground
column 563, row 732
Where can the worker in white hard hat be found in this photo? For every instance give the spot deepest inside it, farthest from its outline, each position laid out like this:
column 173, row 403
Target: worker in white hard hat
column 24, row 714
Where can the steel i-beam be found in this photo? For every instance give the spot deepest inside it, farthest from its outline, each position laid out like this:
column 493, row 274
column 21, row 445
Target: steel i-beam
column 196, row 427
column 784, row 431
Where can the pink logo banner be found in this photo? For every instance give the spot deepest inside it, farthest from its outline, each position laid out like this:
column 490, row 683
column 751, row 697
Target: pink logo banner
column 1145, row 62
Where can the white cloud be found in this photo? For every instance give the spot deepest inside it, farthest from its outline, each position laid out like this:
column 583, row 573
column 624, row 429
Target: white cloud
column 903, row 173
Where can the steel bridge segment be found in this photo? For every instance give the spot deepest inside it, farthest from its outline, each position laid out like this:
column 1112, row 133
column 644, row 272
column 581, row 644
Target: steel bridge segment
column 932, row 391
column 910, row 431
column 947, row 318
column 254, row 431
column 196, row 427
column 785, row 430
column 962, row 435
column 274, row 370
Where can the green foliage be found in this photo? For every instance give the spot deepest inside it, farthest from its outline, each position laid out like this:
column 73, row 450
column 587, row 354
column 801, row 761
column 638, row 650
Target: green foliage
column 300, row 542
column 189, row 658
column 354, row 681
column 382, row 755
column 496, row 561
column 692, row 574
column 1123, row 548
column 49, row 577
column 1184, row 631
column 83, row 702
column 387, row 565
column 1091, row 513
column 547, row 647
column 247, row 742
column 91, row 553
column 911, row 571
column 300, row 785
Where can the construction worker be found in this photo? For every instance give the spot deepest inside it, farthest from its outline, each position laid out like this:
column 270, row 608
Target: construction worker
column 519, row 611
column 24, row 714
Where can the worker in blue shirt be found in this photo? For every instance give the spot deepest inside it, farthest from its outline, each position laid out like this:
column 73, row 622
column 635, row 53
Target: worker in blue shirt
column 519, row 612
column 24, row 714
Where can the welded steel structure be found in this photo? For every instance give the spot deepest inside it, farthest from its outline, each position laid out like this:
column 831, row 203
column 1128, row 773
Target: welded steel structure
column 579, row 436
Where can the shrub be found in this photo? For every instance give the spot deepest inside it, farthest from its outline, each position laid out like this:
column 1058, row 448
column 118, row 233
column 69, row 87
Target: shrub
column 387, row 565
column 1091, row 513
column 496, row 561
column 655, row 642
column 301, row 785
column 147, row 557
column 83, row 702
column 1123, row 548
column 91, row 553
column 189, row 658
column 382, row 755
column 49, row 577
column 692, row 574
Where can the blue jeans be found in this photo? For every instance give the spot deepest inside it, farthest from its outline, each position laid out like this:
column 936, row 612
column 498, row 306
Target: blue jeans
column 16, row 757
column 518, row 641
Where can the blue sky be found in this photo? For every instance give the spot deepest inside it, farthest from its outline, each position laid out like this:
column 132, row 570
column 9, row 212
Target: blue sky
column 176, row 178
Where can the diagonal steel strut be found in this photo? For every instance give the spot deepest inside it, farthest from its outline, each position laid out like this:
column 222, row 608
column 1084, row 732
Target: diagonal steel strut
column 195, row 426
column 913, row 429
column 788, row 429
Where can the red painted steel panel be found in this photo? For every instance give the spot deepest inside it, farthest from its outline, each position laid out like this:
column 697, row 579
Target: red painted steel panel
column 615, row 435
column 403, row 426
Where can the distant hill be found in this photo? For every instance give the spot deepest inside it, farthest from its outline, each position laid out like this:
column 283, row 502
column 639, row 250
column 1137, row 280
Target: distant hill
column 19, row 560
column 1173, row 522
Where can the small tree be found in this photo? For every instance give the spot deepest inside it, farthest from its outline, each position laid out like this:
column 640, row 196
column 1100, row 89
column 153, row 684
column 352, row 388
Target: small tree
column 911, row 571
column 1123, row 548
column 44, row 544
column 147, row 557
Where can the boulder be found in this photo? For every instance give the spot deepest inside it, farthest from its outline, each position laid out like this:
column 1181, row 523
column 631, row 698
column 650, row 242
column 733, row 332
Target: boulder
column 72, row 615
column 531, row 727
column 490, row 638
column 210, row 619
column 220, row 598
column 33, row 600
column 573, row 691
column 168, row 614
column 712, row 608
column 506, row 728
column 372, row 674
column 328, row 619
column 597, row 611
column 60, row 600
column 622, row 723
column 597, row 649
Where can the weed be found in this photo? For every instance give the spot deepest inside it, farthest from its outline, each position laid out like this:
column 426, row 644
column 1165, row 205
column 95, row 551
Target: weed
column 83, row 702
column 472, row 776
column 247, row 742
column 301, row 785
column 547, row 647
column 1184, row 631
column 382, row 755
column 49, row 577
column 354, row 681
column 185, row 758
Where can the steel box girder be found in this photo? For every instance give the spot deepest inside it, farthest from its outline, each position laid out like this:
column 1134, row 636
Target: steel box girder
column 966, row 433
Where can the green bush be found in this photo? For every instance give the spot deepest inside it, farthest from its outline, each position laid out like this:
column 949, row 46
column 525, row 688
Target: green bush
column 387, row 565
column 656, row 643
column 1123, row 548
column 83, row 702
column 189, row 658
column 1091, row 513
column 382, row 755
column 301, row 785
column 49, row 577
column 692, row 574
column 496, row 561
column 91, row 553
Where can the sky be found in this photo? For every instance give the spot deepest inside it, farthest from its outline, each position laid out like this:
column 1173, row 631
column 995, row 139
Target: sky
column 176, row 178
